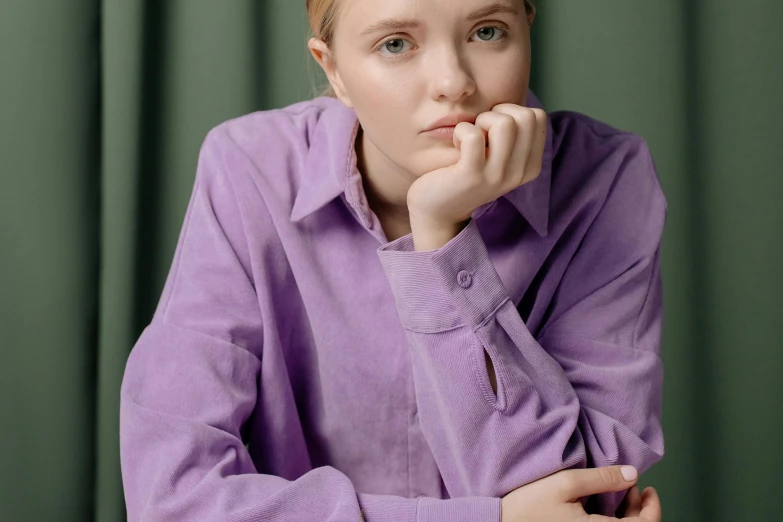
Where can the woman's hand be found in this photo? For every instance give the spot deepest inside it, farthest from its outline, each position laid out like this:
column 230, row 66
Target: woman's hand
column 501, row 151
column 634, row 502
column 557, row 497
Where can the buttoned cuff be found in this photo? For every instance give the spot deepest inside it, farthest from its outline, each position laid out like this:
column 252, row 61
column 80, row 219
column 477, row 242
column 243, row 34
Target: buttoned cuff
column 437, row 290
column 465, row 509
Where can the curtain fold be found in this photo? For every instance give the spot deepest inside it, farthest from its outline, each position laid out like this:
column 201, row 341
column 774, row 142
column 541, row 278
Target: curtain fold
column 103, row 107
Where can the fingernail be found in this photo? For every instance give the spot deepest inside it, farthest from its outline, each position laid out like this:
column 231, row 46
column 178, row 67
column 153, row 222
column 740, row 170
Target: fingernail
column 629, row 472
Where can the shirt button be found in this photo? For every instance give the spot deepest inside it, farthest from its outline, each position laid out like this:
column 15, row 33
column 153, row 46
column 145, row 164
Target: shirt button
column 464, row 279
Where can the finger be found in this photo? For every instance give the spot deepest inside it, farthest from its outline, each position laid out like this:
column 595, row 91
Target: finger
column 501, row 130
column 592, row 481
column 471, row 143
column 651, row 505
column 633, row 503
column 623, row 507
column 526, row 121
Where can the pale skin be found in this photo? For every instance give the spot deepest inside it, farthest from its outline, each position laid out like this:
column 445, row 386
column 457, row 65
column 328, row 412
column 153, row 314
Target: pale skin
column 400, row 80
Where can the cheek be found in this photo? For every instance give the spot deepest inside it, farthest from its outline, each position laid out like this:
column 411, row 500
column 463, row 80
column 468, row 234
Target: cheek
column 505, row 79
column 381, row 85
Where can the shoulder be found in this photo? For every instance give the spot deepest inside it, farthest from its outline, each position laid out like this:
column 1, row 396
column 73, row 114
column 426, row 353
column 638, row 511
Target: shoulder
column 263, row 154
column 589, row 150
column 267, row 133
column 606, row 178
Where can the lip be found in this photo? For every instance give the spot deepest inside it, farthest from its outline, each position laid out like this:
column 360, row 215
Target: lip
column 452, row 120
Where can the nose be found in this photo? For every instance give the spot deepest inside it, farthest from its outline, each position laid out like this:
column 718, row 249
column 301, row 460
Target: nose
column 449, row 78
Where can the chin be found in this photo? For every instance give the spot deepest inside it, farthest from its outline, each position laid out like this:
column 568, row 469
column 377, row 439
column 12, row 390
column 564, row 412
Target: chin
column 433, row 158
column 435, row 161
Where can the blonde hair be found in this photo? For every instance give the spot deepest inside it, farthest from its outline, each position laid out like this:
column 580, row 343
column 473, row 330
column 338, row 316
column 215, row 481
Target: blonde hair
column 323, row 17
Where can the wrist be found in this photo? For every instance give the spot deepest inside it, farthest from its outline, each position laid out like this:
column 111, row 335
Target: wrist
column 429, row 234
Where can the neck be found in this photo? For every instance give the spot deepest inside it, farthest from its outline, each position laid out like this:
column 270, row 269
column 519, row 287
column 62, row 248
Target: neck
column 386, row 187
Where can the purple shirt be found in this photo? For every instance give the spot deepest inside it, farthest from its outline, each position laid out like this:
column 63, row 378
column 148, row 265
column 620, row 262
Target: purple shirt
column 300, row 366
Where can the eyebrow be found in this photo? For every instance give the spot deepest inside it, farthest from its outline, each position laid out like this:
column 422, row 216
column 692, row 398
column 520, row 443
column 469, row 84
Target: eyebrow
column 394, row 24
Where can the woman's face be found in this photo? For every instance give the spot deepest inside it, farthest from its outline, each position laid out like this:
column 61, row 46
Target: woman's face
column 403, row 65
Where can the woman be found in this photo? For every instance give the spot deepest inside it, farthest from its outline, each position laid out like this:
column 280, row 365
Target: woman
column 420, row 298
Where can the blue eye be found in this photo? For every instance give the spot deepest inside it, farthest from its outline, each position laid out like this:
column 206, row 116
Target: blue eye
column 489, row 32
column 394, row 49
column 396, row 46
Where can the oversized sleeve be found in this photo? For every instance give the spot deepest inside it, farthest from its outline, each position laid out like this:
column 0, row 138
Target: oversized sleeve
column 585, row 392
column 191, row 381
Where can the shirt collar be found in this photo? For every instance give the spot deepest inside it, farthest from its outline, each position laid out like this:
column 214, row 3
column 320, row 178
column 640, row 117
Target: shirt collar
column 331, row 167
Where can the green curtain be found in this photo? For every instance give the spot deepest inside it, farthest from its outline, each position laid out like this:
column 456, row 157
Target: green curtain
column 103, row 107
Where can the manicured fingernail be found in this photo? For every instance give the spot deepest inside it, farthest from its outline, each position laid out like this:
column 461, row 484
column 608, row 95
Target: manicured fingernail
column 629, row 472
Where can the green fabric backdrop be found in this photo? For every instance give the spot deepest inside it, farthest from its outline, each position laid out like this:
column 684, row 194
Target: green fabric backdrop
column 104, row 104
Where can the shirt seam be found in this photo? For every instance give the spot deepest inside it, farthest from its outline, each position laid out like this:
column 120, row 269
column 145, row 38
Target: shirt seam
column 198, row 188
column 238, row 209
column 474, row 327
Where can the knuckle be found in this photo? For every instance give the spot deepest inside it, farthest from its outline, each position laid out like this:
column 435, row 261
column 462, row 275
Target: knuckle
column 502, row 107
column 510, row 108
column 609, row 475
column 480, row 119
column 527, row 117
column 507, row 123
column 466, row 135
column 473, row 139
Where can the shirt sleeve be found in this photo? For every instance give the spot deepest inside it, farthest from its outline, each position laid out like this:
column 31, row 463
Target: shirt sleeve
column 191, row 381
column 586, row 392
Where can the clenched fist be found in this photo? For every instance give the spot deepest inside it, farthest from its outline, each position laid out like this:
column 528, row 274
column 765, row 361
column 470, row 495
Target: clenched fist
column 501, row 151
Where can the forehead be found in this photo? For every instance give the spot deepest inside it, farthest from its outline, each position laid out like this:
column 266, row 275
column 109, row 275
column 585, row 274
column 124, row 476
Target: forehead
column 419, row 12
